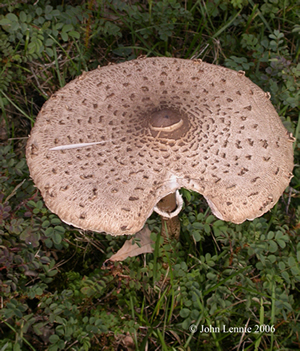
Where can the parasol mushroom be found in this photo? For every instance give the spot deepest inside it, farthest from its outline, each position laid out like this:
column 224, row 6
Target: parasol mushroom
column 109, row 147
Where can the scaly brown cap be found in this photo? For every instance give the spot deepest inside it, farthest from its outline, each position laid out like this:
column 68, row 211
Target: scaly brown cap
column 152, row 126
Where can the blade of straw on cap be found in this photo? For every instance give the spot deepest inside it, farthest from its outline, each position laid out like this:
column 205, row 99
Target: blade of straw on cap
column 75, row 146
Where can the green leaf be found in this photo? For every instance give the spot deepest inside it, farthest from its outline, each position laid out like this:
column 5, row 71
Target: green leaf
column 56, row 238
column 37, row 328
column 195, row 314
column 55, row 13
column 58, row 310
column 272, row 258
column 55, row 221
column 39, row 11
column 52, row 348
column 17, row 347
column 211, row 276
column 58, row 25
column 18, row 313
column 186, row 193
column 285, row 275
column 54, row 338
column 87, row 291
column 207, row 228
column 59, row 229
column 49, row 52
column 41, row 20
column 45, row 224
column 210, row 263
column 197, row 225
column 186, row 323
column 48, row 8
column 295, row 270
column 5, row 22
column 281, row 243
column 291, row 261
column 270, row 235
column 49, row 231
column 48, row 42
column 74, row 34
column 99, row 322
column 48, row 242
column 67, row 27
column 200, row 217
column 184, row 313
column 52, row 273
column 15, row 26
column 210, row 219
column 196, row 236
column 273, row 247
column 32, row 47
column 259, row 266
column 12, row 17
column 23, row 16
column 298, row 256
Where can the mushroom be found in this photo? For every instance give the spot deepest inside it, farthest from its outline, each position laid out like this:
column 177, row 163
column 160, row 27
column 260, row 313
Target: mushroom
column 112, row 144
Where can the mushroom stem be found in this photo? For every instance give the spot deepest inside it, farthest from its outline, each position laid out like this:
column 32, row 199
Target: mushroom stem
column 170, row 227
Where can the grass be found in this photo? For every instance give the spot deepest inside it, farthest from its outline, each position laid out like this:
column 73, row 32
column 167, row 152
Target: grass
column 56, row 293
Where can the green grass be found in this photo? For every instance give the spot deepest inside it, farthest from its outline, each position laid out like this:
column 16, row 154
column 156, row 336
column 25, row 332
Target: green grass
column 55, row 292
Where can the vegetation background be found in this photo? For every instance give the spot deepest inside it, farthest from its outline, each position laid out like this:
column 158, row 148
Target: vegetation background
column 55, row 292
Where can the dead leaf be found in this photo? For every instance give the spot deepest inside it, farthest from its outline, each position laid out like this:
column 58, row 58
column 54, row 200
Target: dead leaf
column 131, row 248
column 128, row 342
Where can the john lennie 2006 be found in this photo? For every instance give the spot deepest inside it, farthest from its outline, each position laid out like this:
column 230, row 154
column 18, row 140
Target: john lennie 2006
column 243, row 329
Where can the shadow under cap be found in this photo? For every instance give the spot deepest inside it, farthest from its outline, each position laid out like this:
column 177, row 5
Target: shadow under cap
column 113, row 142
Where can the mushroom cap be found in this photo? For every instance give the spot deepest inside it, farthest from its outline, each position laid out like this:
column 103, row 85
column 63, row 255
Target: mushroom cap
column 160, row 124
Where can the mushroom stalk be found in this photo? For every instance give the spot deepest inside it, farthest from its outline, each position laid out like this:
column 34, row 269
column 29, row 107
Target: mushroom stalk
column 170, row 226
